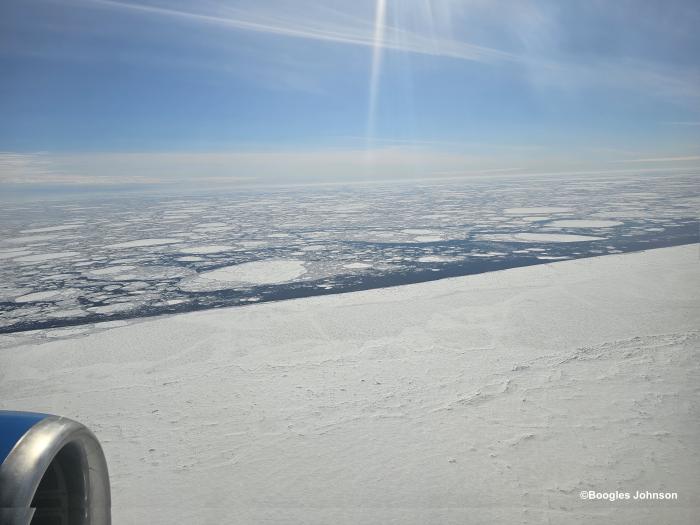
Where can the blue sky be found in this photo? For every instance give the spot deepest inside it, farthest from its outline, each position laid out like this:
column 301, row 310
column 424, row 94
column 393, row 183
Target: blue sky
column 239, row 92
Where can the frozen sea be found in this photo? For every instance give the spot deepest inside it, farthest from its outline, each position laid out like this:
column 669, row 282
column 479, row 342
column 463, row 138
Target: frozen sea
column 78, row 260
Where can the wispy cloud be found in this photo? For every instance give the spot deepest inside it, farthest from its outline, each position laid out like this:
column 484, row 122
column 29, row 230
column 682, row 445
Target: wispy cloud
column 687, row 158
column 534, row 27
column 350, row 30
column 245, row 168
column 236, row 168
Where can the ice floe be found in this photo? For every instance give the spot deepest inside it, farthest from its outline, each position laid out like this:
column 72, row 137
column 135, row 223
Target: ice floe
column 581, row 223
column 43, row 257
column 48, row 295
column 536, row 210
column 14, row 254
column 273, row 271
column 143, row 242
column 438, row 259
column 113, row 308
column 537, row 237
column 30, row 238
column 357, row 266
column 207, row 249
column 52, row 228
column 112, row 270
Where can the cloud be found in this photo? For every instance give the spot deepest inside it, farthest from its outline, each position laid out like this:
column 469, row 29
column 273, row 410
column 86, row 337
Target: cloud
column 334, row 29
column 688, row 158
column 237, row 168
column 260, row 168
column 534, row 38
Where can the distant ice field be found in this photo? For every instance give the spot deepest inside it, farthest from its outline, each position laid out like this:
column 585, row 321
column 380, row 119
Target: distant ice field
column 67, row 262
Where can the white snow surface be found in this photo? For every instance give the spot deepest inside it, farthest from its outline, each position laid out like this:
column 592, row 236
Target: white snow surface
column 453, row 401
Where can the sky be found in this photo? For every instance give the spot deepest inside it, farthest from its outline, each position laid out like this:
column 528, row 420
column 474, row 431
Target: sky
column 231, row 92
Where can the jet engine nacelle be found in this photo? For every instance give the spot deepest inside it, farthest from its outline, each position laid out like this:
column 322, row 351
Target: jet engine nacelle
column 52, row 471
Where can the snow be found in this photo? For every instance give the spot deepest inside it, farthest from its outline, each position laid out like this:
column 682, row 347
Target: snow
column 537, row 237
column 453, row 401
column 580, row 223
column 143, row 242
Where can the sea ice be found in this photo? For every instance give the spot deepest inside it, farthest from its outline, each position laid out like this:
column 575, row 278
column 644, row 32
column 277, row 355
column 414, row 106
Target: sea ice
column 535, row 210
column 113, row 308
column 271, row 271
column 385, row 406
column 49, row 295
column 13, row 254
column 111, row 270
column 42, row 257
column 53, row 228
column 580, row 223
column 30, row 238
column 537, row 237
column 210, row 248
column 357, row 266
column 438, row 259
column 143, row 242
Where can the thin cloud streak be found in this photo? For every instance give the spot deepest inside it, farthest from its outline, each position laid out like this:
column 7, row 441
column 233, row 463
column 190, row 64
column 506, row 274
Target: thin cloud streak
column 265, row 168
column 691, row 158
column 392, row 38
column 654, row 79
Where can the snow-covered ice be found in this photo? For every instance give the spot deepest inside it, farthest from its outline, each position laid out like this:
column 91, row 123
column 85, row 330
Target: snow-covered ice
column 453, row 401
